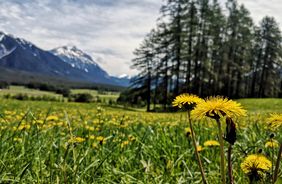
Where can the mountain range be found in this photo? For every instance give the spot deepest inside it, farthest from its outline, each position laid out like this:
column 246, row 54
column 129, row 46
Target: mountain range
column 67, row 62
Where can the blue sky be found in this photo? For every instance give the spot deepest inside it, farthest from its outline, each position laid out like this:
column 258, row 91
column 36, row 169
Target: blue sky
column 109, row 30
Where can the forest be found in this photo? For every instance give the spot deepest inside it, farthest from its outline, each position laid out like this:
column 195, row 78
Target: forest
column 206, row 48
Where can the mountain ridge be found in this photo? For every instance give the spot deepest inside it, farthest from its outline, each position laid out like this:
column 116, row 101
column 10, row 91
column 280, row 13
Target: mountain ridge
column 68, row 62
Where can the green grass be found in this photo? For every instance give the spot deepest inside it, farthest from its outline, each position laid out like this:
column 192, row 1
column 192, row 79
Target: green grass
column 103, row 95
column 263, row 105
column 35, row 144
column 13, row 90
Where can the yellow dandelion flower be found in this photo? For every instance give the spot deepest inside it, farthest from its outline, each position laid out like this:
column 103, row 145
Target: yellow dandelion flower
column 76, row 140
column 211, row 143
column 272, row 144
column 255, row 166
column 131, row 138
column 22, row 127
column 216, row 107
column 52, row 118
column 95, row 145
column 200, row 148
column 92, row 137
column 101, row 139
column 124, row 143
column 188, row 131
column 186, row 100
column 274, row 121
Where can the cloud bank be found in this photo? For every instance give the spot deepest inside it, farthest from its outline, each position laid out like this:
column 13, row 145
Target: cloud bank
column 109, row 30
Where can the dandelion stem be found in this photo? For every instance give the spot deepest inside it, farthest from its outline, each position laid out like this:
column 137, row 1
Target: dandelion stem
column 196, row 151
column 222, row 164
column 277, row 164
column 230, row 174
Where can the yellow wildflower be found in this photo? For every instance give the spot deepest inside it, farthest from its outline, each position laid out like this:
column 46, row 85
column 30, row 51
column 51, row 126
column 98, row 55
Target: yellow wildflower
column 200, row 148
column 188, row 132
column 272, row 144
column 131, row 138
column 124, row 143
column 274, row 121
column 52, row 118
column 255, row 166
column 186, row 99
column 101, row 140
column 76, row 140
column 216, row 107
column 95, row 145
column 22, row 127
column 92, row 137
column 211, row 143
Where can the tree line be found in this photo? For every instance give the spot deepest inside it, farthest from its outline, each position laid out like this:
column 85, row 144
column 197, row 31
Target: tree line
column 204, row 48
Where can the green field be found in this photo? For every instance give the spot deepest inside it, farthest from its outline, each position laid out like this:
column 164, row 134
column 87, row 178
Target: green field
column 103, row 95
column 15, row 90
column 56, row 142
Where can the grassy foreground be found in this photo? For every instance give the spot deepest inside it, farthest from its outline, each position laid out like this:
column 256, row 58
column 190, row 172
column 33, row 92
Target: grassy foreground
column 44, row 142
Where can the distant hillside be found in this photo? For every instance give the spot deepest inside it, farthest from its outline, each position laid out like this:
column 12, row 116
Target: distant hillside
column 22, row 78
column 68, row 63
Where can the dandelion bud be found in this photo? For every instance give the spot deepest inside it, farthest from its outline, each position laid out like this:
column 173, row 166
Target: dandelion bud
column 230, row 134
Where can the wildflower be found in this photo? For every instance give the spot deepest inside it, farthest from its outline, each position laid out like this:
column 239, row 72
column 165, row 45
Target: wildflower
column 52, row 118
column 188, row 132
column 89, row 128
column 101, row 140
column 272, row 144
column 255, row 167
column 216, row 107
column 274, row 121
column 92, row 137
column 186, row 100
column 131, row 138
column 76, row 140
column 95, row 145
column 200, row 148
column 22, row 127
column 211, row 143
column 124, row 143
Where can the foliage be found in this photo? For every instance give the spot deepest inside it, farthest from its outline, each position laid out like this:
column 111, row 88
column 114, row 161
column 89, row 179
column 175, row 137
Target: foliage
column 4, row 85
column 198, row 48
column 81, row 97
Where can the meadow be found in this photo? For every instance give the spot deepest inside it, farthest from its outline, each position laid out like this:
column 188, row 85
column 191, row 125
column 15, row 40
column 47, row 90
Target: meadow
column 104, row 96
column 57, row 142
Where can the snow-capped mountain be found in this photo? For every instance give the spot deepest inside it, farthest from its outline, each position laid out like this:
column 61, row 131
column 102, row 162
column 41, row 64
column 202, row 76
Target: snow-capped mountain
column 80, row 60
column 75, row 57
column 84, row 62
column 67, row 62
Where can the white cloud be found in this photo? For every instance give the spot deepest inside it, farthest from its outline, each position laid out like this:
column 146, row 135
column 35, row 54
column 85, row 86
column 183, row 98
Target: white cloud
column 261, row 8
column 107, row 29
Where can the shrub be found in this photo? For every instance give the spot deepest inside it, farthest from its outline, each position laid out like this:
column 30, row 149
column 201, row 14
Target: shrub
column 81, row 97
